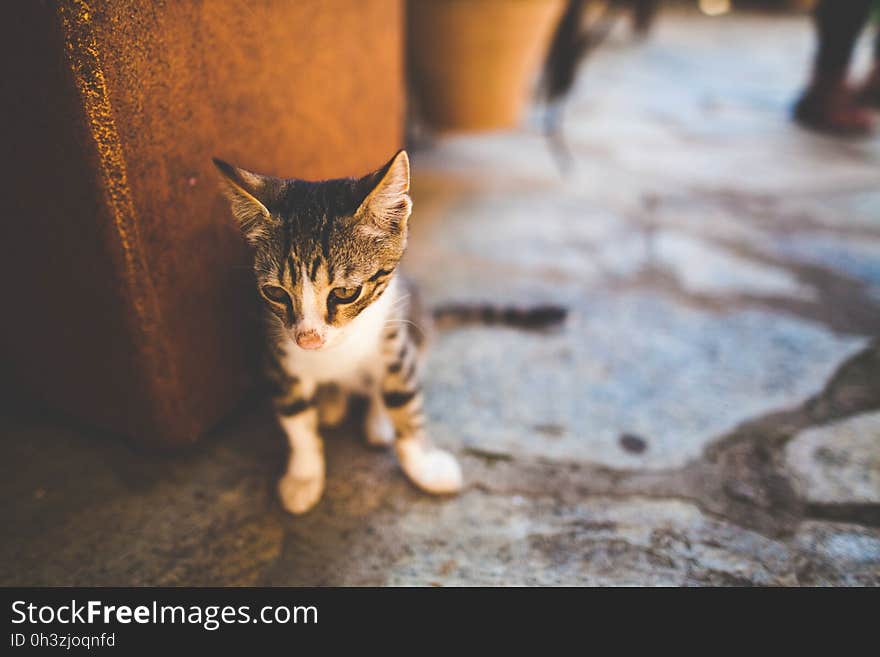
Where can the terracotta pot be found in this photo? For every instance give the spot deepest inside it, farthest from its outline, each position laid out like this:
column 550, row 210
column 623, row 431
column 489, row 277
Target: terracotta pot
column 472, row 62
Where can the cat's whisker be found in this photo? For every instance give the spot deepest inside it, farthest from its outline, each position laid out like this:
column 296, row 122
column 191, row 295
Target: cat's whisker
column 392, row 322
column 400, row 300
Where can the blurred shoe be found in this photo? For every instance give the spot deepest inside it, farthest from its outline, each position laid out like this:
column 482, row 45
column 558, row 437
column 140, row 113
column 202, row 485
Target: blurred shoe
column 829, row 106
column 869, row 94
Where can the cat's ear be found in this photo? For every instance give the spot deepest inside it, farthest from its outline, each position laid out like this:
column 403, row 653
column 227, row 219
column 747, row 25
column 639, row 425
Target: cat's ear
column 387, row 207
column 248, row 194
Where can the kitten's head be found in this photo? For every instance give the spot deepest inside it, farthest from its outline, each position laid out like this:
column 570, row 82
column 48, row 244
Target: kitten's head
column 323, row 251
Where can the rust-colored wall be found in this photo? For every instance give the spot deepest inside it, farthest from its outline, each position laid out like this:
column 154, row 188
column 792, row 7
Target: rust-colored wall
column 134, row 304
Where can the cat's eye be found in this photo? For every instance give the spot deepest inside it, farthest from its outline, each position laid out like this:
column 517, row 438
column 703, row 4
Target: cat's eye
column 345, row 294
column 275, row 293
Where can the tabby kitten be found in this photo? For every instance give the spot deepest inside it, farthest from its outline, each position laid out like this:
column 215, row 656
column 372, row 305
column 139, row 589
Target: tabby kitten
column 341, row 319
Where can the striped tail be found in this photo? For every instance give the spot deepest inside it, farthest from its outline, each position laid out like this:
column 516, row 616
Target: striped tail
column 534, row 318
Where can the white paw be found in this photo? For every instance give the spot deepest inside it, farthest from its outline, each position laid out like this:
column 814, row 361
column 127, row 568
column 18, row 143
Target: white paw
column 431, row 469
column 298, row 494
column 379, row 428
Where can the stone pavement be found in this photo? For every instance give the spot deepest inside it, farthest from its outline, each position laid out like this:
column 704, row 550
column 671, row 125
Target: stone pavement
column 709, row 413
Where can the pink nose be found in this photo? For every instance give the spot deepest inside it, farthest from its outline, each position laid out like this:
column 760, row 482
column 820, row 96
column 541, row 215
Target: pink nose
column 309, row 340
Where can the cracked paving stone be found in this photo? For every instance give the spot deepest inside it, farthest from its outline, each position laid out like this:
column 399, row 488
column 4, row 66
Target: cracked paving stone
column 858, row 258
column 493, row 239
column 703, row 268
column 106, row 515
column 628, row 363
column 494, row 540
column 838, row 554
column 838, row 462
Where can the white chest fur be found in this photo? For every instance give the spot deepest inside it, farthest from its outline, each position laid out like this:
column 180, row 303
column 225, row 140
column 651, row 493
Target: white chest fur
column 357, row 355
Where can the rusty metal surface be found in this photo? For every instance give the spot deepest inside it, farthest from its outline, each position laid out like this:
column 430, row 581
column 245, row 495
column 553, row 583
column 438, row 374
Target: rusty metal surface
column 120, row 106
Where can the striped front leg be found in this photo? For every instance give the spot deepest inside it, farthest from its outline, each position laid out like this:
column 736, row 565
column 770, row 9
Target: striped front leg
column 431, row 469
column 302, row 485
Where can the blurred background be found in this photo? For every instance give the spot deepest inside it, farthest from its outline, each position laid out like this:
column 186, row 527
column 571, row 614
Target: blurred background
column 695, row 183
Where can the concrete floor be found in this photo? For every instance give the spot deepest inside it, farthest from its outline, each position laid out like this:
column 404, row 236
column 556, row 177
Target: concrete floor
column 708, row 414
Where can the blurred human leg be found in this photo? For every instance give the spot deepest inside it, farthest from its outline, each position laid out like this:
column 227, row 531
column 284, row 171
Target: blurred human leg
column 827, row 104
column 870, row 92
